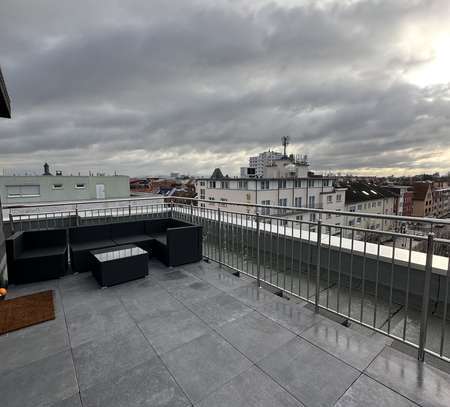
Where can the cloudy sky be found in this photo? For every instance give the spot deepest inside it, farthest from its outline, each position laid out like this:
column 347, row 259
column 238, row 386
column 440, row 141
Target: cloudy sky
column 153, row 86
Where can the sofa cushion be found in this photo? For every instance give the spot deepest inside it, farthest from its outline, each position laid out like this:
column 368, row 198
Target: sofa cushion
column 124, row 229
column 132, row 239
column 42, row 252
column 91, row 245
column 84, row 234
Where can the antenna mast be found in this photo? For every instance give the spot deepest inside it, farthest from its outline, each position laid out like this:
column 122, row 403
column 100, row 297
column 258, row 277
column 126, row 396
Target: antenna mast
column 285, row 142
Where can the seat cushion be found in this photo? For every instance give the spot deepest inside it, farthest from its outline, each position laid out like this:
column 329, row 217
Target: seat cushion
column 90, row 245
column 132, row 239
column 160, row 237
column 42, row 252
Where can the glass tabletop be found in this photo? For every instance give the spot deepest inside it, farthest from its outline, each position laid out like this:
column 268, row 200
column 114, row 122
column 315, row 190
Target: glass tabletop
column 119, row 253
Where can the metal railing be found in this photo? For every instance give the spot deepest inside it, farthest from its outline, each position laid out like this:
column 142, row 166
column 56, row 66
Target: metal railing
column 374, row 278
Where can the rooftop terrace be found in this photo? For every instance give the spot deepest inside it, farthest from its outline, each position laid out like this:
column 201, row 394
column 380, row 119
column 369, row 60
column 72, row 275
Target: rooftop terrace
column 199, row 335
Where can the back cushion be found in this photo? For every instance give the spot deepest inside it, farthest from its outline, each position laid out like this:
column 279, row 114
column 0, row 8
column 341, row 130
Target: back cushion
column 156, row 225
column 124, row 229
column 45, row 238
column 90, row 233
column 175, row 223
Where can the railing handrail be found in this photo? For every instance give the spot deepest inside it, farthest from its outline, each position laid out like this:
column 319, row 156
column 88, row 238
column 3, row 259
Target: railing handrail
column 398, row 218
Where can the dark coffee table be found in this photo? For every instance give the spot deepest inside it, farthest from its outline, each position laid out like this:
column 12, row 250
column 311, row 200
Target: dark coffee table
column 119, row 264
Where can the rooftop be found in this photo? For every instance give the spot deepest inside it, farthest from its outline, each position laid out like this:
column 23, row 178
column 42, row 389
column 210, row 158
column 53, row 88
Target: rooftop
column 198, row 335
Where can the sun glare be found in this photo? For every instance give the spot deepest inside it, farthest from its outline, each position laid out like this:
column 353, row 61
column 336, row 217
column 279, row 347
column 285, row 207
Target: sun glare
column 438, row 69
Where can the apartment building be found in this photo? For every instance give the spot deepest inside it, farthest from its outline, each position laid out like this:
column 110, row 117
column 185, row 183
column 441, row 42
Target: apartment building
column 260, row 161
column 57, row 188
column 285, row 182
column 368, row 198
column 404, row 203
column 423, row 199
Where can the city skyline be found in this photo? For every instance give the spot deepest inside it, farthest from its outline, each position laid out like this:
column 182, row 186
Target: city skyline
column 151, row 88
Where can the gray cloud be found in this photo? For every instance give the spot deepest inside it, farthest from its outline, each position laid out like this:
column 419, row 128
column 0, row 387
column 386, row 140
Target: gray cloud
column 148, row 87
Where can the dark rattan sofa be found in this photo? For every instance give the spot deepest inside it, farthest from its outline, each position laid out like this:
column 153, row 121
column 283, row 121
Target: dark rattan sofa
column 42, row 255
column 171, row 241
column 36, row 255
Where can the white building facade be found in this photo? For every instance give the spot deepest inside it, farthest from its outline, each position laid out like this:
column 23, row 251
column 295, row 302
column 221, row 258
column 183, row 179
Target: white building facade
column 284, row 183
column 58, row 188
column 260, row 161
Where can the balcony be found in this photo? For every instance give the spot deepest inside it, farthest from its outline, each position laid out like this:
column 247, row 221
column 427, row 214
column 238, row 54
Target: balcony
column 198, row 335
column 323, row 329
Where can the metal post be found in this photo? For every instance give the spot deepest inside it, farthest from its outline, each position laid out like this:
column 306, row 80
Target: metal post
column 11, row 222
column 129, row 209
column 171, row 209
column 77, row 220
column 219, row 236
column 426, row 298
column 319, row 241
column 258, row 257
column 192, row 212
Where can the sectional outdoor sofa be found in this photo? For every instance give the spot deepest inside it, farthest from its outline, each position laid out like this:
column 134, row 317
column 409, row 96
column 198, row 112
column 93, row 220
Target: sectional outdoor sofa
column 41, row 255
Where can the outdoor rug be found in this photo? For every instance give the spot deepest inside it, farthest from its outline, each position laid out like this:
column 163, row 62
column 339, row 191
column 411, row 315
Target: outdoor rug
column 20, row 312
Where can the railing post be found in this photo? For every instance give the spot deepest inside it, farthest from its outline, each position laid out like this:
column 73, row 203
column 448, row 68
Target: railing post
column 77, row 220
column 319, row 241
column 192, row 212
column 129, row 209
column 219, row 236
column 426, row 298
column 11, row 222
column 258, row 257
column 171, row 209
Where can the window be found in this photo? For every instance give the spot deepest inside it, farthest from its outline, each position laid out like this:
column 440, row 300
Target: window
column 265, row 211
column 211, row 198
column 299, row 217
column 374, row 204
column 312, row 201
column 243, row 184
column 282, row 202
column 281, row 183
column 212, row 184
column 326, row 182
column 359, row 207
column 223, row 200
column 265, row 184
column 358, row 220
column 202, row 194
column 352, row 208
column 298, row 183
column 310, row 183
column 328, row 215
column 23, row 191
column 224, row 184
column 312, row 217
column 80, row 186
column 202, row 183
column 329, row 199
column 338, row 198
column 379, row 203
column 298, row 201
column 57, row 186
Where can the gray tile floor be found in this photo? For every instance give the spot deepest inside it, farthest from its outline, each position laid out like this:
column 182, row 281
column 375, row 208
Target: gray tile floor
column 199, row 336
